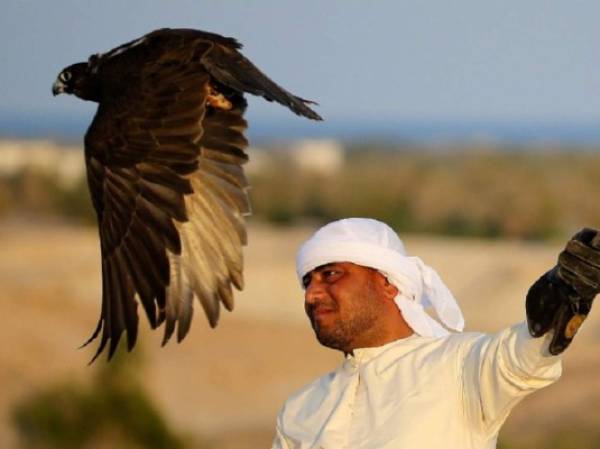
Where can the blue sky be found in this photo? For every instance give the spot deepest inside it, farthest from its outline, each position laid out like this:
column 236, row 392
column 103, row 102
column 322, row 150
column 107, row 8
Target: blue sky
column 516, row 60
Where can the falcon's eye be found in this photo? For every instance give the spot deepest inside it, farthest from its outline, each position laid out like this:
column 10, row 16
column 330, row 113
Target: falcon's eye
column 65, row 76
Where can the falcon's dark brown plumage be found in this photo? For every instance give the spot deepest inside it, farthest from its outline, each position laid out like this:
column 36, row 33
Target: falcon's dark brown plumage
column 164, row 155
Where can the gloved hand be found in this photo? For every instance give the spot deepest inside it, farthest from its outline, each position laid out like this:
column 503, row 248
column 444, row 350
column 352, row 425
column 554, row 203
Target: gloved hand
column 562, row 298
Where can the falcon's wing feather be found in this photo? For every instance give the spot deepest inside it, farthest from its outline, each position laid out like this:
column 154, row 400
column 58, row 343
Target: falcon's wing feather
column 166, row 182
column 232, row 69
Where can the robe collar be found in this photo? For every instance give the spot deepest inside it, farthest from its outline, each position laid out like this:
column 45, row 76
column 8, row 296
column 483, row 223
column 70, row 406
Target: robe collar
column 362, row 356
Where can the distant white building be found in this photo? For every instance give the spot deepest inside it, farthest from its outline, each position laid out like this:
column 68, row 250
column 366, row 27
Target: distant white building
column 66, row 162
column 63, row 161
column 322, row 156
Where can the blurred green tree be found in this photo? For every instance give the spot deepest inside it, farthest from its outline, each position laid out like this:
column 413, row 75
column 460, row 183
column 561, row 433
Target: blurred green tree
column 114, row 411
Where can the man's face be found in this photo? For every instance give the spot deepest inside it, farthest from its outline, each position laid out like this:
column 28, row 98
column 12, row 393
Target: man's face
column 343, row 303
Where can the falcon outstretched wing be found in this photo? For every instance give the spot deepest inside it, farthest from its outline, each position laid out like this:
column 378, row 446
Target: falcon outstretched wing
column 166, row 179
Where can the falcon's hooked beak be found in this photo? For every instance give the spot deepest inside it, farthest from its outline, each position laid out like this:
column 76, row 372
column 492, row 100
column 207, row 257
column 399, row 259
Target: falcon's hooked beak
column 58, row 87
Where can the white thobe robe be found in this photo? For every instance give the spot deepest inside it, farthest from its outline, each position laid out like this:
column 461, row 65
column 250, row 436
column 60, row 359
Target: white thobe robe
column 419, row 393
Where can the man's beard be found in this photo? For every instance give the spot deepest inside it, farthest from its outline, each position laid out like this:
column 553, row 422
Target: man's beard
column 340, row 334
column 343, row 333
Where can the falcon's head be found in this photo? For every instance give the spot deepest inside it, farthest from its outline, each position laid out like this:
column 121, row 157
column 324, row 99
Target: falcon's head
column 76, row 79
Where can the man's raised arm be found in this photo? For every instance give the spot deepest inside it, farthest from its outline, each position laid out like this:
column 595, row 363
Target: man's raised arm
column 499, row 370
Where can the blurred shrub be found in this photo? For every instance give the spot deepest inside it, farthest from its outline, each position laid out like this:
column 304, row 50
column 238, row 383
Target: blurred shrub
column 36, row 193
column 518, row 194
column 470, row 192
column 113, row 412
column 74, row 203
column 565, row 438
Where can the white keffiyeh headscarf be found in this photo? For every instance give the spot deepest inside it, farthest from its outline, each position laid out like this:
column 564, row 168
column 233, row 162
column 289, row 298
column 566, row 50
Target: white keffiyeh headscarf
column 374, row 244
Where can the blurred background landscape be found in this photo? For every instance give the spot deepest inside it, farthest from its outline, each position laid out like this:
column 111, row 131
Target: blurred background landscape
column 473, row 129
column 490, row 221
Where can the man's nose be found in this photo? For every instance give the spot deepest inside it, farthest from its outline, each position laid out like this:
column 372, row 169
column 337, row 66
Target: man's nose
column 314, row 291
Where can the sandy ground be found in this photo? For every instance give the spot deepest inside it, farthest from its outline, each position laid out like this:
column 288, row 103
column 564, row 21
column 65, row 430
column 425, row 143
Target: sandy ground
column 226, row 385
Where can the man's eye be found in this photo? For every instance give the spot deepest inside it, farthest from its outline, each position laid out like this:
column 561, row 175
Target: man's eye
column 305, row 281
column 330, row 273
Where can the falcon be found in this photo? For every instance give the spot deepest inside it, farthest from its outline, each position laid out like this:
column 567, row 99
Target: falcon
column 164, row 156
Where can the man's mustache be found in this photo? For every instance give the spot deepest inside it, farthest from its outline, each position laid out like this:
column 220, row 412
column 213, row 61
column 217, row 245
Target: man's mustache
column 314, row 308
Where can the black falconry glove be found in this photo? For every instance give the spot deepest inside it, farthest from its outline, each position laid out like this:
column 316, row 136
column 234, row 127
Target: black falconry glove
column 562, row 298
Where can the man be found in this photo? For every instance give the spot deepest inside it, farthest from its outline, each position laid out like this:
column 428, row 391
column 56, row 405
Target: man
column 406, row 381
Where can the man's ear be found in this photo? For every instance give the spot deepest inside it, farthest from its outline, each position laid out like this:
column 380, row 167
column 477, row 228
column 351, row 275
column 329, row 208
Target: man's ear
column 389, row 290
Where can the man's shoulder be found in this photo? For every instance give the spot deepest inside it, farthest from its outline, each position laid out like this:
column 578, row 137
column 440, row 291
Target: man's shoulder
column 448, row 344
column 426, row 351
column 460, row 342
column 460, row 338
